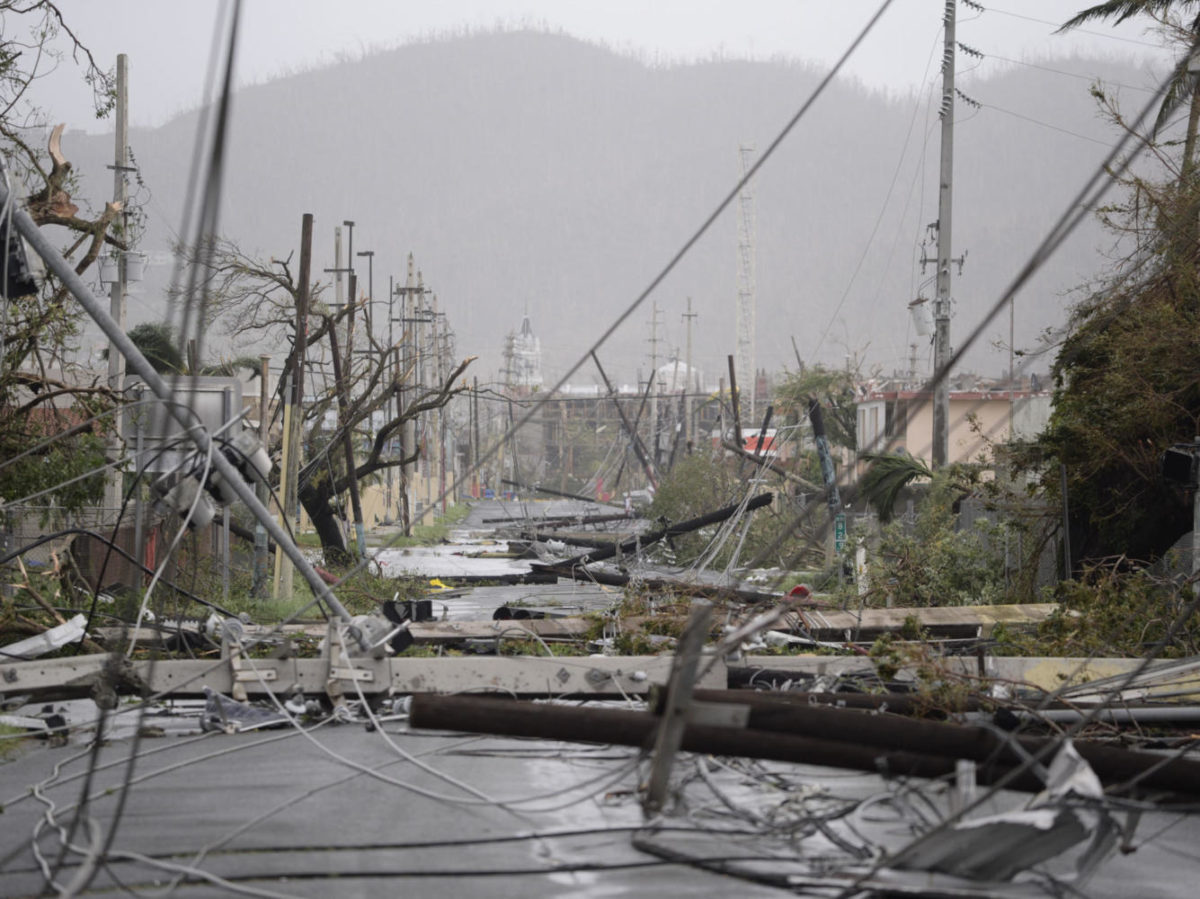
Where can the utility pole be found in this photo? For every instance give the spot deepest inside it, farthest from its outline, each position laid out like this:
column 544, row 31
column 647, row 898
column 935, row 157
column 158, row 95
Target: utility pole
column 477, row 446
column 261, row 547
column 370, row 254
column 408, row 368
column 347, row 436
column 439, row 430
column 941, row 309
column 338, row 292
column 292, row 413
column 295, row 438
column 352, row 299
column 389, row 404
column 689, row 389
column 654, row 383
column 114, row 487
column 747, row 300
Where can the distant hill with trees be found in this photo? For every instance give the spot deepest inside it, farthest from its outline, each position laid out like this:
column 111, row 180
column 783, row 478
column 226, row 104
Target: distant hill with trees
column 533, row 170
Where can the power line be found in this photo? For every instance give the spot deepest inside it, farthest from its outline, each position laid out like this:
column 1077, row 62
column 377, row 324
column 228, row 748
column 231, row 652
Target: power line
column 1090, row 78
column 1034, row 121
column 883, row 209
column 1058, row 25
column 680, row 253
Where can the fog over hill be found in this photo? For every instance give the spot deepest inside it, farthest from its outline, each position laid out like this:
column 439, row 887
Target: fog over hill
column 534, row 171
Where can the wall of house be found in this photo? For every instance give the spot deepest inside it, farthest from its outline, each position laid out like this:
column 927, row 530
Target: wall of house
column 975, row 423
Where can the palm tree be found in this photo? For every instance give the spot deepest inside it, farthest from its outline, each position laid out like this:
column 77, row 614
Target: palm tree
column 1185, row 83
column 159, row 344
column 888, row 474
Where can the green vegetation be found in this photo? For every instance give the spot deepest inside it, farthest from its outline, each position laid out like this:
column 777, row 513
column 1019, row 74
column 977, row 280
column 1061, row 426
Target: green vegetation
column 1125, row 376
column 1112, row 612
column 701, row 483
column 933, row 562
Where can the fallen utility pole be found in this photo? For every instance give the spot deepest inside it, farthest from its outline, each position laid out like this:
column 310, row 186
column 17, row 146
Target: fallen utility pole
column 561, row 521
column 617, row 676
column 609, row 577
column 504, row 716
column 779, row 713
column 133, row 356
column 538, row 489
column 770, row 464
column 630, row 431
column 674, row 530
column 677, row 698
column 895, row 747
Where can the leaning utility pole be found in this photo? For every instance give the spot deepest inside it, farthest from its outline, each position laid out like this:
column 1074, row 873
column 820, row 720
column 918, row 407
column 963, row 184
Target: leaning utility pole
column 941, row 309
column 114, row 488
column 343, row 404
column 262, row 555
column 292, row 499
column 293, row 410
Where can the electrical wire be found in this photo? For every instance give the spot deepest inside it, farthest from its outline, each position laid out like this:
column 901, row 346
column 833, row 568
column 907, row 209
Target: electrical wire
column 1058, row 27
column 672, row 263
column 883, row 207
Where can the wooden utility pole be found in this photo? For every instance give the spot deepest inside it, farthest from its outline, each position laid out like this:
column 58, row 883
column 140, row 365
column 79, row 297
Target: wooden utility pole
column 291, row 501
column 293, row 397
column 941, row 309
column 733, row 402
column 343, row 400
column 390, row 404
column 114, row 487
column 261, row 548
column 282, row 586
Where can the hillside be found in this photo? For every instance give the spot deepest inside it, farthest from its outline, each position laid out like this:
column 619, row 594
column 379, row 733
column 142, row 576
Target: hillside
column 532, row 170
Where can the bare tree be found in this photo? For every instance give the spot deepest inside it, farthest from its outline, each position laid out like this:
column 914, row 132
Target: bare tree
column 257, row 303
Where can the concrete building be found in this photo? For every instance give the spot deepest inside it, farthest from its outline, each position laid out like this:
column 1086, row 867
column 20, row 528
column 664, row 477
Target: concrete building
column 893, row 420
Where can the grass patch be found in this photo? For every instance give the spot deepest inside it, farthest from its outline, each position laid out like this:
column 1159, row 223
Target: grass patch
column 12, row 740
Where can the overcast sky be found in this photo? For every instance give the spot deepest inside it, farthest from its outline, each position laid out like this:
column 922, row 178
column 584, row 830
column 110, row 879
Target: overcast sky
column 169, row 43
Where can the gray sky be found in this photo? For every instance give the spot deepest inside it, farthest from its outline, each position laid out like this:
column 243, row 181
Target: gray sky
column 169, row 43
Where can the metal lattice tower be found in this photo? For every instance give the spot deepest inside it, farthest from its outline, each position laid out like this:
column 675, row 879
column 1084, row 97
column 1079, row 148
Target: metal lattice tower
column 746, row 299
